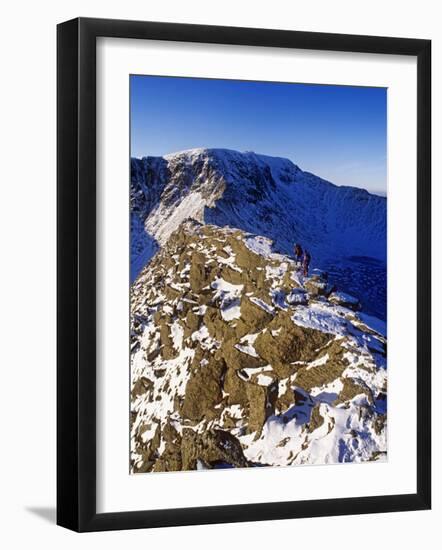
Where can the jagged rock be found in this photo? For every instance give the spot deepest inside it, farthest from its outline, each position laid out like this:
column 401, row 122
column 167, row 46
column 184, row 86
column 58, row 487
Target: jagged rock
column 285, row 342
column 245, row 258
column 316, row 419
column 198, row 275
column 325, row 373
column 167, row 350
column 261, row 405
column 316, row 286
column 213, row 447
column 203, row 390
column 236, row 359
column 236, row 388
column 217, row 327
column 241, row 329
column 301, row 397
column 152, row 355
column 254, row 316
column 288, row 281
column 193, row 321
column 297, row 296
column 284, row 401
column 350, row 389
column 171, row 293
column 248, row 355
column 142, row 385
column 148, row 451
column 170, row 460
column 232, row 276
column 345, row 300
column 380, row 423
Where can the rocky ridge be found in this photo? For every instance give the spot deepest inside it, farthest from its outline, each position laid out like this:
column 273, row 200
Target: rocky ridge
column 237, row 360
column 343, row 227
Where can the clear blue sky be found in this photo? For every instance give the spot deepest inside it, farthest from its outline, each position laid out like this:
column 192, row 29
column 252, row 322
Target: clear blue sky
column 336, row 132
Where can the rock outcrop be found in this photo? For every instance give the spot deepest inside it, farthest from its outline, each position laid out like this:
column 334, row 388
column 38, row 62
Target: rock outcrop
column 229, row 369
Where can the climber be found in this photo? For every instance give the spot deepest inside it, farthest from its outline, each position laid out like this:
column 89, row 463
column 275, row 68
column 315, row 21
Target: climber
column 298, row 254
column 306, row 262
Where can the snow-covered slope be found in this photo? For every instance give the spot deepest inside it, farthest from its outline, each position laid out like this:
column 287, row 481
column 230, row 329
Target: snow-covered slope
column 343, row 227
column 238, row 360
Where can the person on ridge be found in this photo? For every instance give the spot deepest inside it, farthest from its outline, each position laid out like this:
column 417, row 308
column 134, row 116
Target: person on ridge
column 306, row 262
column 298, row 254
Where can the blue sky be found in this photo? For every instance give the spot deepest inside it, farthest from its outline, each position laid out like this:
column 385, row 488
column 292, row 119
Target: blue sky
column 336, row 132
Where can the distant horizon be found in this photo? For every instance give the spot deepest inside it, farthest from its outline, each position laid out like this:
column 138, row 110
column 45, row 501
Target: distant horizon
column 338, row 133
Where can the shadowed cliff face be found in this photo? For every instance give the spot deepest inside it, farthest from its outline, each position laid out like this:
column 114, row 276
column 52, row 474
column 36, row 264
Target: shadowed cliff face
column 237, row 360
column 267, row 196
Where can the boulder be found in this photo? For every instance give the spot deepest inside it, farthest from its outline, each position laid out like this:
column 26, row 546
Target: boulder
column 171, row 293
column 212, row 448
column 261, row 405
column 284, row 342
column 217, row 327
column 198, row 277
column 236, row 359
column 350, row 389
column 254, row 316
column 193, row 321
column 203, row 389
column 345, row 300
column 141, row 386
column 236, row 389
column 289, row 282
column 167, row 349
column 148, row 451
column 316, row 286
column 320, row 375
column 297, row 297
column 232, row 276
column 170, row 459
column 316, row 419
column 245, row 258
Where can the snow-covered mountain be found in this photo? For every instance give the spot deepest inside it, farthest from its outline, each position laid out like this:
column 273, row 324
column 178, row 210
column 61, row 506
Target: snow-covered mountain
column 237, row 360
column 344, row 228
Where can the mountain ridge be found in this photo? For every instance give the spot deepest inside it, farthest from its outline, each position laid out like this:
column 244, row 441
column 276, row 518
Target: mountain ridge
column 238, row 360
column 341, row 226
column 215, row 151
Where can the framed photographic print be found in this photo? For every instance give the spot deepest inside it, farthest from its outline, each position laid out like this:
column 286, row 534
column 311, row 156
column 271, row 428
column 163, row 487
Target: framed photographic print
column 243, row 274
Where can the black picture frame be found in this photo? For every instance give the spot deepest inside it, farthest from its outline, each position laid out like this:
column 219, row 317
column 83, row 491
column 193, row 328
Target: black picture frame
column 76, row 274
